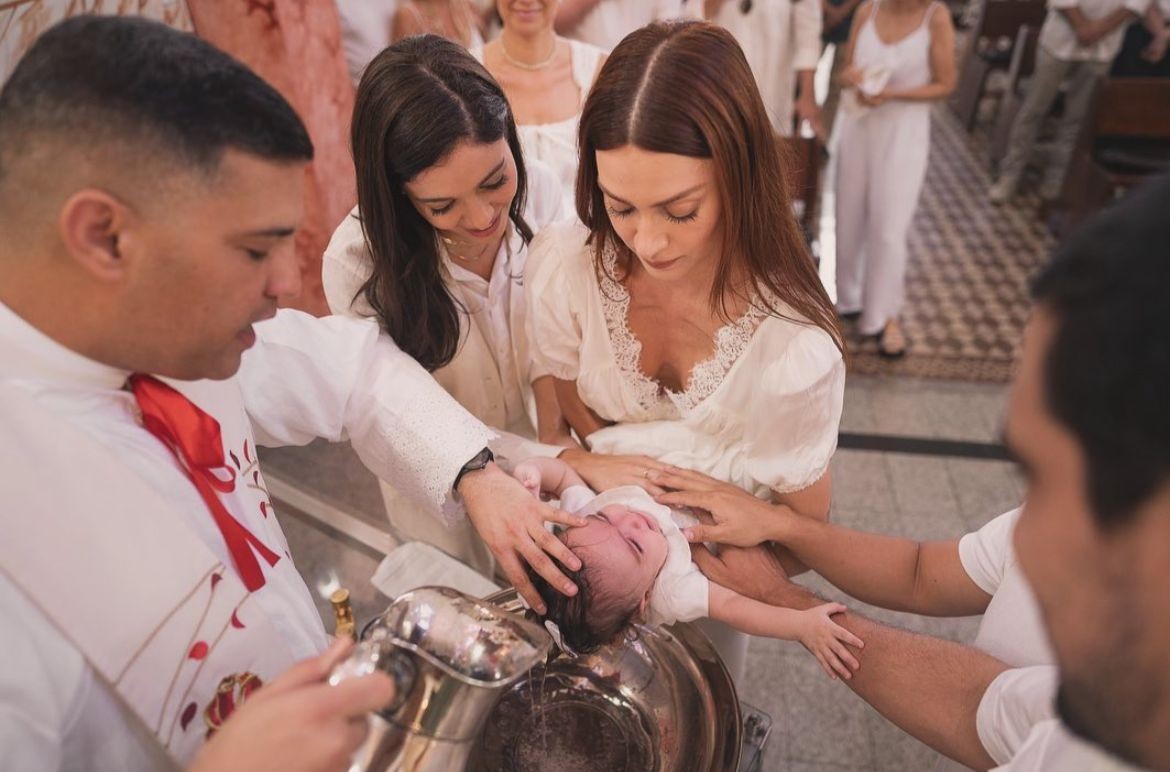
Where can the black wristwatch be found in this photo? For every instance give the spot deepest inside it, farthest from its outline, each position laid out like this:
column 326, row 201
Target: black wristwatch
column 478, row 462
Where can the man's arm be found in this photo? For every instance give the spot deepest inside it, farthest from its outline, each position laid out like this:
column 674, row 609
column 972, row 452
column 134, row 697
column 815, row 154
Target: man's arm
column 340, row 378
column 1089, row 31
column 895, row 573
column 929, row 688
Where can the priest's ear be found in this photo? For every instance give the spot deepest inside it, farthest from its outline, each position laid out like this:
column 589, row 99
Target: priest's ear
column 92, row 226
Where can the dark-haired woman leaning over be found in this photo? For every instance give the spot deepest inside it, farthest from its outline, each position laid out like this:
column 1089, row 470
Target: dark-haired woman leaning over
column 436, row 247
column 686, row 322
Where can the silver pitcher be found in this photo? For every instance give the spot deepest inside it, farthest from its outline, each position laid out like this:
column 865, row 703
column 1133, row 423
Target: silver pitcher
column 450, row 656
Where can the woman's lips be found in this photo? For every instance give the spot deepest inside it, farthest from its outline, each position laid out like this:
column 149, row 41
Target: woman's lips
column 488, row 230
column 661, row 265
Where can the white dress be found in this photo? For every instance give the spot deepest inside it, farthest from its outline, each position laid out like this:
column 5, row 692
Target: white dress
column 492, row 372
column 761, row 413
column 881, row 164
column 555, row 144
column 778, row 37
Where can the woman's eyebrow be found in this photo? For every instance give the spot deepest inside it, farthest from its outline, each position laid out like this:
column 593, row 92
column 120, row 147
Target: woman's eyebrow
column 664, row 202
column 492, row 173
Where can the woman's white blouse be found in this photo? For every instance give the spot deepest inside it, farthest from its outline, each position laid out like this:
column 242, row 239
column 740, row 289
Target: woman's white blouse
column 762, row 412
column 492, row 371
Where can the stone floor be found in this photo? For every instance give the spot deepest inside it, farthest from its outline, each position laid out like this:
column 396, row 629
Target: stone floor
column 818, row 723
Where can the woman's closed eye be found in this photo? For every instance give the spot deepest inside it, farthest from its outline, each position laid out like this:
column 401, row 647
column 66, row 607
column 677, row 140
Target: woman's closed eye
column 438, row 212
column 496, row 184
column 682, row 218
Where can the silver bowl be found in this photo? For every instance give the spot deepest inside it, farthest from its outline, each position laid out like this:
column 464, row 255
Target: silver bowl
column 662, row 700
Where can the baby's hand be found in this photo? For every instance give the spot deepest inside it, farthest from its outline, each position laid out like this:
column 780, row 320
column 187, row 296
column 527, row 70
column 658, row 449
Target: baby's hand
column 825, row 640
column 529, row 476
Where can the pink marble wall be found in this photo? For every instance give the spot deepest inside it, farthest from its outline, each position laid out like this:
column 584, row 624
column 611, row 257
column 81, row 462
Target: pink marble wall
column 296, row 46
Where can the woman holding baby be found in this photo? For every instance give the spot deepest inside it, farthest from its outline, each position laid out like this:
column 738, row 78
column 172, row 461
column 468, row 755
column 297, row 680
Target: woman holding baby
column 899, row 60
column 684, row 323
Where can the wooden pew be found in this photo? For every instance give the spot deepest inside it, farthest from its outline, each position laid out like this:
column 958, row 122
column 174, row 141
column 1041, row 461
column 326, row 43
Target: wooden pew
column 1125, row 139
column 990, row 48
column 1022, row 64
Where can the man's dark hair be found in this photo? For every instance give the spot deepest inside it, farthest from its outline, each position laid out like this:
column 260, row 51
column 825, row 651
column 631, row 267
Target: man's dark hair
column 140, row 84
column 1107, row 373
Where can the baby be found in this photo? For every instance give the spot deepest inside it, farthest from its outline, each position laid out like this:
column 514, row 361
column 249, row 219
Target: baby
column 636, row 565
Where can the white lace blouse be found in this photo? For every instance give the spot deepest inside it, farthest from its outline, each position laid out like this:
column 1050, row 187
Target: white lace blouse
column 762, row 412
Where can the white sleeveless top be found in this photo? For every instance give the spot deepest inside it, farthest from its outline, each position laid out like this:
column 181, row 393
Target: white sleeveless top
column 906, row 61
column 555, row 144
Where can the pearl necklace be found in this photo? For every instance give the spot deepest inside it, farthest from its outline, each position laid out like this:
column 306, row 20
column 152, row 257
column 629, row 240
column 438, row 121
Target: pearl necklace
column 525, row 65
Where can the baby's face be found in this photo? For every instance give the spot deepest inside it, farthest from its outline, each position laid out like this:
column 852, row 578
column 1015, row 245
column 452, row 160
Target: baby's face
column 626, row 545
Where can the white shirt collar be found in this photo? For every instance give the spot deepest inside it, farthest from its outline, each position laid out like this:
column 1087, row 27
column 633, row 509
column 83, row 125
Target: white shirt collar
column 27, row 353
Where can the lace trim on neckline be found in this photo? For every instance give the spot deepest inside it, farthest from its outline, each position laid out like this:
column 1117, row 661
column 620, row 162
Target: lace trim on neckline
column 731, row 340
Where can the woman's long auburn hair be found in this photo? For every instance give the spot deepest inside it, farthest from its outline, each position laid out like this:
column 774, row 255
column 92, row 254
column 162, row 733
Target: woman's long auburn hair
column 686, row 88
column 416, row 101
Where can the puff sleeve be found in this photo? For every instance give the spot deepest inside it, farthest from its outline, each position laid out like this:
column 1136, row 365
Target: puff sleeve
column 797, row 413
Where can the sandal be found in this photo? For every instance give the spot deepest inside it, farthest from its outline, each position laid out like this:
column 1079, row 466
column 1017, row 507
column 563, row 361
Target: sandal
column 891, row 341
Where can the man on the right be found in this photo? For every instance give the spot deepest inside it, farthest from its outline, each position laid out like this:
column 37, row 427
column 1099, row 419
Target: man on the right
column 1089, row 421
column 1079, row 609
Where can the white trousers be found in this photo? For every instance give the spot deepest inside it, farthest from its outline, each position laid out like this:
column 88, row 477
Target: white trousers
column 881, row 163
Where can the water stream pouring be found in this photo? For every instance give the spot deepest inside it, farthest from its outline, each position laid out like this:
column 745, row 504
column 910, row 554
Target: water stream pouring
column 451, row 656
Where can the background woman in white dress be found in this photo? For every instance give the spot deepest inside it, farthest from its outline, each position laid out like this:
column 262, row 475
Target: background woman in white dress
column 900, row 58
column 546, row 78
column 685, row 322
column 782, row 42
column 435, row 249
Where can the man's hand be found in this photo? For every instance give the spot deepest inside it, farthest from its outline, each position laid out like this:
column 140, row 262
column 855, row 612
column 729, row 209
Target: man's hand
column 298, row 723
column 738, row 517
column 511, row 523
column 603, row 471
column 754, row 572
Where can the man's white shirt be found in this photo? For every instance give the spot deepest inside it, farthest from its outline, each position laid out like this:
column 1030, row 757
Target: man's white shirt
column 305, row 378
column 1016, row 719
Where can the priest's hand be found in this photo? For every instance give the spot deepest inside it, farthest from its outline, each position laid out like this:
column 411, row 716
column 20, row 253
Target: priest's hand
column 511, row 522
column 298, row 723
